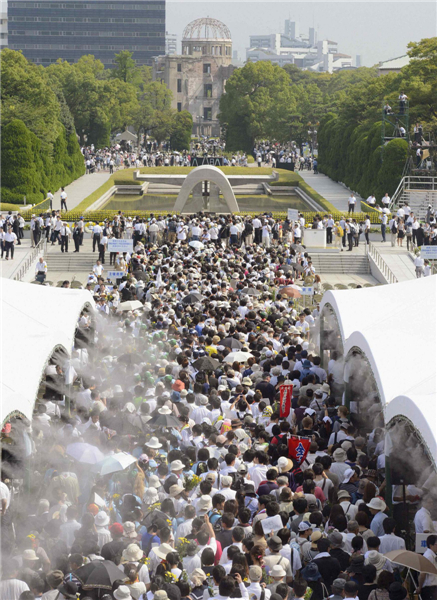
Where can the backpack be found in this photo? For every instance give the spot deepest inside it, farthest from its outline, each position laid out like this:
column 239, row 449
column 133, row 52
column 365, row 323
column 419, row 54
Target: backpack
column 394, row 229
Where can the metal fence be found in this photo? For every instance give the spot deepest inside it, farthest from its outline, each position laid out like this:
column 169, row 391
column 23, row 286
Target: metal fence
column 29, row 259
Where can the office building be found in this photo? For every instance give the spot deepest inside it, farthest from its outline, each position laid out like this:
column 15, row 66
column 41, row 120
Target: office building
column 48, row 30
column 171, row 43
column 292, row 47
column 3, row 24
column 198, row 76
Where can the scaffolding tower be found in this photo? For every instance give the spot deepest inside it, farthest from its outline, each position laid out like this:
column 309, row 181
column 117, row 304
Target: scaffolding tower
column 395, row 122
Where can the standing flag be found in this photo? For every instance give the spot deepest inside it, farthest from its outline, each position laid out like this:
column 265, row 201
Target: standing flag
column 298, row 448
column 286, row 392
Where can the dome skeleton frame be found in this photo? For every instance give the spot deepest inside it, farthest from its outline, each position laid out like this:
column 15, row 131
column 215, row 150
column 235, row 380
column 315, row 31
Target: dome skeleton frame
column 206, row 29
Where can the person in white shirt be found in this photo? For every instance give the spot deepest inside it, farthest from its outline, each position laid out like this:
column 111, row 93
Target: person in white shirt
column 393, row 226
column 351, row 204
column 371, row 200
column 102, row 248
column 254, row 589
column 9, row 240
column 63, row 199
column 419, row 265
column 423, row 522
column 98, row 269
column 41, row 270
column 329, row 226
column 390, row 541
column 97, row 231
column 427, row 269
column 386, row 200
column 266, row 230
column 427, row 587
column 50, row 197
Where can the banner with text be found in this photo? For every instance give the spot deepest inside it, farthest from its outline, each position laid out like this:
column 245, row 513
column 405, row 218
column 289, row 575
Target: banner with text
column 118, row 245
column 298, row 448
column 286, row 392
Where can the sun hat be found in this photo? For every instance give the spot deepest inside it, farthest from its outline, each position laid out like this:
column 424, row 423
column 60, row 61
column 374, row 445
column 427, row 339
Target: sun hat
column 274, row 543
column 247, row 381
column 150, row 495
column 336, row 539
column 376, row 559
column 176, row 465
column 255, row 573
column 356, row 564
column 339, row 583
column 101, row 519
column 311, row 572
column 164, row 410
column 221, row 439
column 178, row 386
column 122, row 593
column 348, row 474
column 277, row 572
column 154, row 482
column 153, row 443
column 304, row 526
column 29, row 554
column 162, row 550
column 339, row 455
column 315, row 537
column 175, row 490
column 129, row 529
column 343, row 494
column 204, row 504
column 377, row 504
column 132, row 553
column 69, row 590
column 284, row 464
column 396, row 591
column 160, row 595
column 116, row 529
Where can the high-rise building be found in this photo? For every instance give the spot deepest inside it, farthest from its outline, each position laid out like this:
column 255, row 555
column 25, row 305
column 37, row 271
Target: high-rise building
column 197, row 77
column 48, row 30
column 171, row 43
column 291, row 29
column 3, row 24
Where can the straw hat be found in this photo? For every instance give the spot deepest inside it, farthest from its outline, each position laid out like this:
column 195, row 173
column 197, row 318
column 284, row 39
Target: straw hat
column 129, row 529
column 162, row 550
column 132, row 553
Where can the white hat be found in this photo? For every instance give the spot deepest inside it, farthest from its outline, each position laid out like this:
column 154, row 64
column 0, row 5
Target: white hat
column 347, row 475
column 150, row 495
column 101, row 519
column 29, row 554
column 175, row 490
column 377, row 504
column 130, row 407
column 176, row 465
column 204, row 504
column 122, row 593
column 154, row 482
column 162, row 550
column 164, row 411
column 132, row 553
column 129, row 529
column 153, row 443
column 277, row 571
column 304, row 526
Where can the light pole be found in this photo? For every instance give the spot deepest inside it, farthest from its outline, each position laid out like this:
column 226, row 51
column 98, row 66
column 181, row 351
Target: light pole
column 312, row 132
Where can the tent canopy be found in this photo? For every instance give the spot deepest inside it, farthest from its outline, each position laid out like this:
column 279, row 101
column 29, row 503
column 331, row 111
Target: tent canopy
column 36, row 320
column 395, row 327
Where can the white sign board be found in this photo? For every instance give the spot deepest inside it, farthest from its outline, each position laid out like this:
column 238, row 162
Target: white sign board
column 421, row 542
column 429, row 252
column 292, row 214
column 115, row 274
column 271, row 524
column 307, row 291
column 117, row 245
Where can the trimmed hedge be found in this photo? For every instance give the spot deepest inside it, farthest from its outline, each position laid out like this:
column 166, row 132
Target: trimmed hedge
column 28, row 170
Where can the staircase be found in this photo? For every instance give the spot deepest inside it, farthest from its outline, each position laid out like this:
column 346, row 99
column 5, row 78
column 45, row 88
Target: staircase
column 72, row 262
column 419, row 200
column 343, row 263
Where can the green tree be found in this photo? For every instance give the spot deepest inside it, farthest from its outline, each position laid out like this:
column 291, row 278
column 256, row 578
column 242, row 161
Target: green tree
column 125, row 66
column 181, row 131
column 258, row 103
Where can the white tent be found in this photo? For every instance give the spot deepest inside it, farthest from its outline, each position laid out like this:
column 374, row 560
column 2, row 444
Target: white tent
column 395, row 327
column 35, row 321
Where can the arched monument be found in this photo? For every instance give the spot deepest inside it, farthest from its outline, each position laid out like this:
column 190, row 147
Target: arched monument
column 206, row 174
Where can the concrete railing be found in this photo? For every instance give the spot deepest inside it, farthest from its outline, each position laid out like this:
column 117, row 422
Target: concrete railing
column 385, row 270
column 27, row 262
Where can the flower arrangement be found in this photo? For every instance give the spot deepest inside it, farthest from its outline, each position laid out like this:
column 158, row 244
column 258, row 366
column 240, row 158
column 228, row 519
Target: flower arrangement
column 191, row 482
column 181, row 546
column 170, row 577
column 145, row 561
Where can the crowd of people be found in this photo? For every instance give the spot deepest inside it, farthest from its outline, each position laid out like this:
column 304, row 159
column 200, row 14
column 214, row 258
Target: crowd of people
column 196, row 446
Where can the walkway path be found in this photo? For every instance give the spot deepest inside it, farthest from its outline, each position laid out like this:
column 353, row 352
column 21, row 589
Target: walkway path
column 398, row 260
column 80, row 189
column 334, row 192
